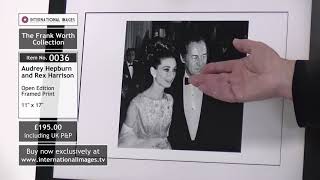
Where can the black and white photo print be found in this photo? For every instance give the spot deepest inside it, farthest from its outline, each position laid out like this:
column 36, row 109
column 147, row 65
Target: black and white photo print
column 160, row 109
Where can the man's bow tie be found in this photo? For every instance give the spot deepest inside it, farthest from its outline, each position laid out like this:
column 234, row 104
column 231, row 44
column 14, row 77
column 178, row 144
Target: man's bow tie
column 130, row 64
column 186, row 81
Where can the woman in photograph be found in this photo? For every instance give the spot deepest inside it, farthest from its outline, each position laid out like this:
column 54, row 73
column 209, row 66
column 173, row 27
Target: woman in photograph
column 149, row 113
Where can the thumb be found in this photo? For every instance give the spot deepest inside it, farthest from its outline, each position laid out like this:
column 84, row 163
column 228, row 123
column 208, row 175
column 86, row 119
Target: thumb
column 245, row 45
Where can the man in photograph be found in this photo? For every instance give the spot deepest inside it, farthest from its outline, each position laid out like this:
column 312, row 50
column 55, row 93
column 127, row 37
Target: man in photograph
column 132, row 81
column 200, row 122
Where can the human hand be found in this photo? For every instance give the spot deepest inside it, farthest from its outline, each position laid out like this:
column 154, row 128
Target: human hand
column 164, row 144
column 124, row 91
column 260, row 75
column 157, row 143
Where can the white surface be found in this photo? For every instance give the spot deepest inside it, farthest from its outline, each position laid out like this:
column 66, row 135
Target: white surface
column 9, row 134
column 292, row 137
column 102, row 78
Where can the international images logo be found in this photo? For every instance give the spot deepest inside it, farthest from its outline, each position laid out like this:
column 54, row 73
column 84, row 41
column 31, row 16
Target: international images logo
column 25, row 19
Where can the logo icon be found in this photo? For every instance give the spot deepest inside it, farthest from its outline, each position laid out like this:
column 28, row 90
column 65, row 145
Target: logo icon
column 25, row 19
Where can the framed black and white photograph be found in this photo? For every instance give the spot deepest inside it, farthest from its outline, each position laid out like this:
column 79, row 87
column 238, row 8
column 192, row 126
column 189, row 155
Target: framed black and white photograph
column 126, row 46
column 136, row 96
column 159, row 108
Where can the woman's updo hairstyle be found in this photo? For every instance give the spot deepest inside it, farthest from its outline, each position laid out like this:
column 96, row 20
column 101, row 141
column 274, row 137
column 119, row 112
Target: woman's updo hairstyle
column 158, row 49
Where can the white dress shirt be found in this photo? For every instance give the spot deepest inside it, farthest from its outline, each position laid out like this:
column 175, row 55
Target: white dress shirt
column 130, row 69
column 192, row 102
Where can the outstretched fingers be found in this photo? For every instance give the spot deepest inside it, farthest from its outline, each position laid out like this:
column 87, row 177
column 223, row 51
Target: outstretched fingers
column 215, row 85
column 219, row 67
column 245, row 45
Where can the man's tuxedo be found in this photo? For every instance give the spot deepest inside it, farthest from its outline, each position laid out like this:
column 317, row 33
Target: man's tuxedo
column 220, row 124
